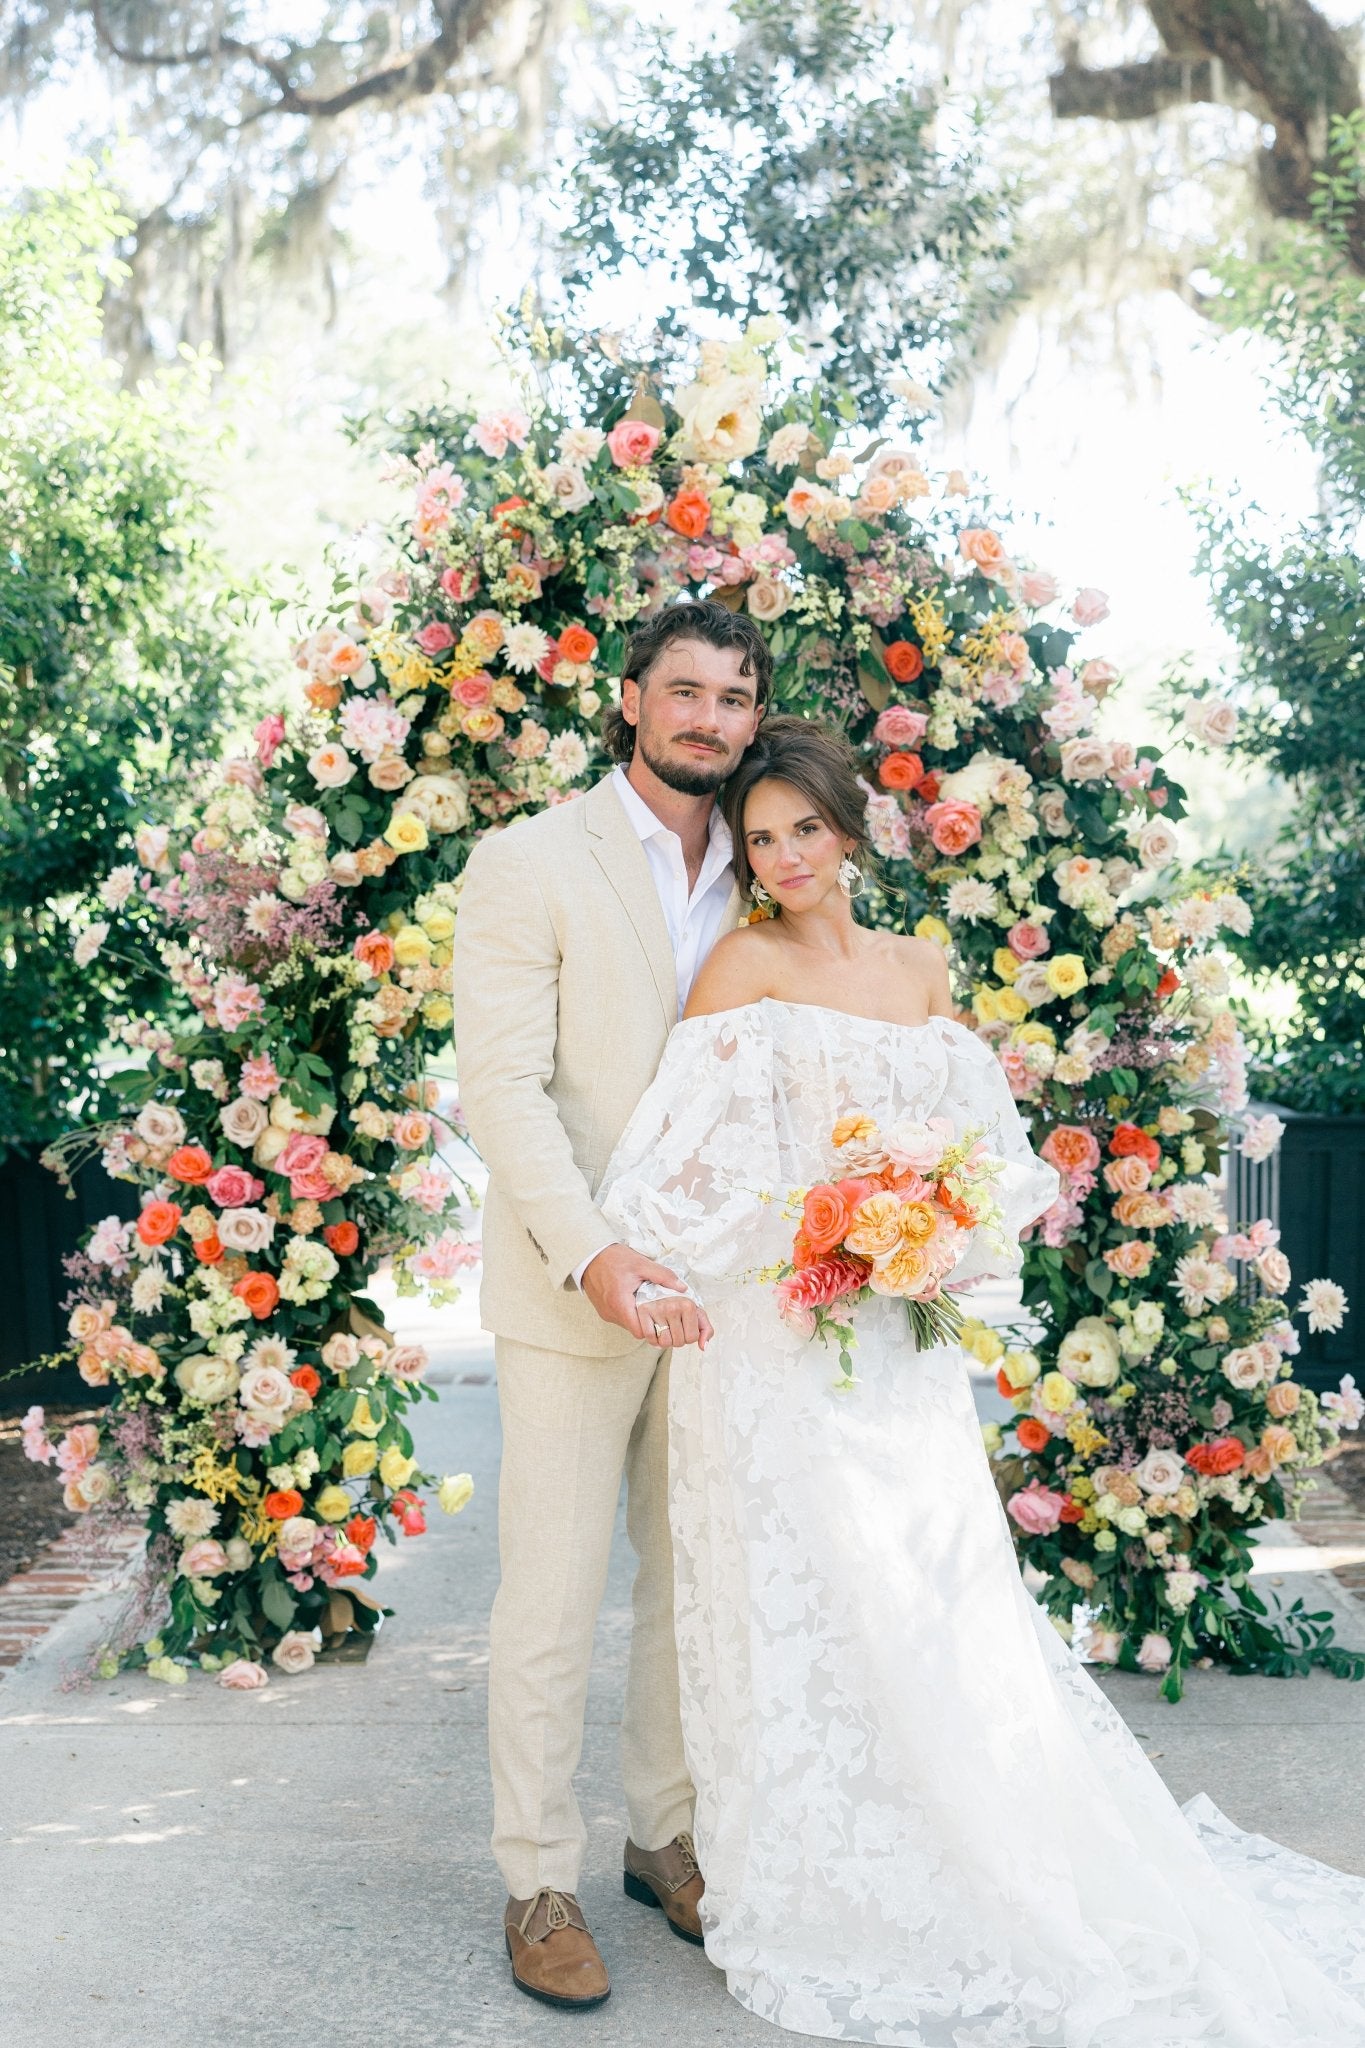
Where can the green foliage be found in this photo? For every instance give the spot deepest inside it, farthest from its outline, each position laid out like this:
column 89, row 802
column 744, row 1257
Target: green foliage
column 114, row 663
column 798, row 171
column 1292, row 600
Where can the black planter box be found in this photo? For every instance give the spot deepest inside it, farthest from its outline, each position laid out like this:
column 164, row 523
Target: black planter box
column 39, row 1223
column 1313, row 1188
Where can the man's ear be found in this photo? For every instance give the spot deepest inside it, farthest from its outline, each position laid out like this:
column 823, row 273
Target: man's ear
column 630, row 700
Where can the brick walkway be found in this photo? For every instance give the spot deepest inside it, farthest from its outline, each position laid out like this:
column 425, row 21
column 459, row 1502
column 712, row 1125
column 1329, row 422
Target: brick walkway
column 1333, row 1522
column 83, row 1560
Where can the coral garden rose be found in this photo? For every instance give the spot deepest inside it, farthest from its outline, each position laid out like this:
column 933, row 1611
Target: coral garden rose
column 1071, row 1148
column 577, row 644
column 953, row 826
column 901, row 771
column 825, row 1218
column 1130, row 1141
column 158, row 1222
column 688, row 512
column 190, row 1164
column 284, row 1503
column 260, row 1291
column 342, row 1238
column 307, row 1379
column 1032, row 1434
column 1217, row 1456
column 904, row 661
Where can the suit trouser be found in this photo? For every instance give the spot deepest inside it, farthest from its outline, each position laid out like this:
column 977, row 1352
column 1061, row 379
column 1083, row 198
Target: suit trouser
column 570, row 1428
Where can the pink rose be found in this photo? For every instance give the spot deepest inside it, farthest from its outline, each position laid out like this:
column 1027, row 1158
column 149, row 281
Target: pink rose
column 1036, row 1509
column 435, row 637
column 1037, row 588
column 1028, row 941
column 243, row 1676
column 203, row 1560
column 301, row 1159
column 631, row 443
column 1154, row 1653
column 474, row 692
column 268, row 735
column 1097, row 677
column 232, row 1187
column 953, row 826
column 1273, row 1268
column 1089, row 607
column 900, row 727
column 460, row 585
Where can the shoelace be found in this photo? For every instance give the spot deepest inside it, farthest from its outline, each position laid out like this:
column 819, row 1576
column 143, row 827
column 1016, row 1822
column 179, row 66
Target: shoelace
column 557, row 1912
column 687, row 1851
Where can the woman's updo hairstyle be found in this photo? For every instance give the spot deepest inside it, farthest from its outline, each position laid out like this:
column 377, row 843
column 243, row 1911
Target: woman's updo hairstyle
column 812, row 758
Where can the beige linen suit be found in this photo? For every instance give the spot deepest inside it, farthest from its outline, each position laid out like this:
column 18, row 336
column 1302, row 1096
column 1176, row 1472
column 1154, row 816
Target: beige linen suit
column 565, row 992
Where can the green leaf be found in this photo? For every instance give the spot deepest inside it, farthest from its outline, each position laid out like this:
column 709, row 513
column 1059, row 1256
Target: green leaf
column 278, row 1603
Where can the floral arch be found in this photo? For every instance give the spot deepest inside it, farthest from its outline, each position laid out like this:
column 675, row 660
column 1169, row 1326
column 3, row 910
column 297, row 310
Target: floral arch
column 285, row 1137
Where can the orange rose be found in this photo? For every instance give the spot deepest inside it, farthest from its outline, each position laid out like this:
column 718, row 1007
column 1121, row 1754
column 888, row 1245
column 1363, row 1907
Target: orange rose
column 341, row 1238
column 901, row 771
column 191, row 1164
column 308, row 1379
column 375, row 951
column 284, row 1503
column 824, row 1219
column 689, row 514
column 362, row 1530
column 1032, row 1434
column 260, row 1293
column 158, row 1222
column 503, row 511
column 323, row 696
column 208, row 1250
column 903, row 661
column 577, row 644
column 953, row 826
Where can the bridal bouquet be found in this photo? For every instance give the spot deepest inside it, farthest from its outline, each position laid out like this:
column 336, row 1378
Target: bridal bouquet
column 900, row 1223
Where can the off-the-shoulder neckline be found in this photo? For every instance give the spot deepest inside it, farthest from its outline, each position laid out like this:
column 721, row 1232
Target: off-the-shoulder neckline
column 827, row 1010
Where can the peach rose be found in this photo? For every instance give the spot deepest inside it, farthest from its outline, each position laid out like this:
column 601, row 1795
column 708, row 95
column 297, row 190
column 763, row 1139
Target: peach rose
column 954, row 825
column 242, row 1675
column 1127, row 1176
column 982, row 547
column 875, row 1228
column 1282, row 1399
column 1132, row 1260
column 1281, row 1443
column 1071, row 1149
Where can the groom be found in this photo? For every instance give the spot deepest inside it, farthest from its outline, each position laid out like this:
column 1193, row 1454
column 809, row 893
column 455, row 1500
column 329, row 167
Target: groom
column 580, row 932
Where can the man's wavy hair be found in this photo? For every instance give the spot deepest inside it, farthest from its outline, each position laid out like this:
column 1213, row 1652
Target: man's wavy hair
column 698, row 619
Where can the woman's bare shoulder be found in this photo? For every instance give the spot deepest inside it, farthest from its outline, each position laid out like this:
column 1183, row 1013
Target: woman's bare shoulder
column 927, row 963
column 737, row 970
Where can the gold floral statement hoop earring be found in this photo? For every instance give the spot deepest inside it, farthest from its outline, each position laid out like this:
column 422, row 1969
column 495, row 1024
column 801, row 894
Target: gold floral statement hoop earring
column 850, row 877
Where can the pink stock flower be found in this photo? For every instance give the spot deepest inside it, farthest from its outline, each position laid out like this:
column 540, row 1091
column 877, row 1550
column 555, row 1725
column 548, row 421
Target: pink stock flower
column 235, row 1002
column 259, row 1078
column 1036, row 1509
column 268, row 736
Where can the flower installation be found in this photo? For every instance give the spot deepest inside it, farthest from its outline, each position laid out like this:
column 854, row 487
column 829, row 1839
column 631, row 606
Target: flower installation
column 284, row 1138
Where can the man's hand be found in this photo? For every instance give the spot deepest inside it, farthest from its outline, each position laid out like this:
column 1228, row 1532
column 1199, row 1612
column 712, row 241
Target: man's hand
column 610, row 1281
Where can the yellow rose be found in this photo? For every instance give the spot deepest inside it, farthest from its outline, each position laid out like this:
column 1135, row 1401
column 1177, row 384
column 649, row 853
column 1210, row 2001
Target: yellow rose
column 1011, row 1007
column 1020, row 1368
column 439, row 924
column 405, row 834
column 991, row 1439
column 1057, row 1392
column 441, row 956
column 876, row 1226
column 333, row 1504
column 455, row 1493
column 437, row 1012
column 986, row 1007
column 985, row 1346
column 411, row 946
column 358, row 1460
column 1034, row 1033
column 363, row 1422
column 394, row 1469
column 1066, row 975
column 1004, row 966
column 934, row 928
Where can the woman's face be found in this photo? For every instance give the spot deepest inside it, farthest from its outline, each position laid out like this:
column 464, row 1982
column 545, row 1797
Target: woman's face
column 793, row 852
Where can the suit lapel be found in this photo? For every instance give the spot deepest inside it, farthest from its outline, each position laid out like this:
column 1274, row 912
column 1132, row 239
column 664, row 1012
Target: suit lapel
column 625, row 864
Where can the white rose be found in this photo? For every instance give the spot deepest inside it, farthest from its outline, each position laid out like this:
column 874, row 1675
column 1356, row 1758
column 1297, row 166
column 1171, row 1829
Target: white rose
column 767, row 599
column 567, row 486
column 159, row 1126
column 1156, row 844
column 330, row 766
column 1085, row 759
column 440, row 801
column 245, row 1230
column 296, row 1651
column 1160, row 1472
column 239, row 1554
column 1212, row 720
column 287, row 1117
column 1052, row 813
column 1089, row 1353
column 1242, row 1368
column 265, row 1391
column 206, row 1378
column 243, row 1120
column 269, row 1146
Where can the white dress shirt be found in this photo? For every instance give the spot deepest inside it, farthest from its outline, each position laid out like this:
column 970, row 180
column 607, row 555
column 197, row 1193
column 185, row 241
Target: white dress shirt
column 693, row 917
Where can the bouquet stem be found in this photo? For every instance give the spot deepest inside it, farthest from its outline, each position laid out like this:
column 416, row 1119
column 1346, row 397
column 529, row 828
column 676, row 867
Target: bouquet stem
column 934, row 1322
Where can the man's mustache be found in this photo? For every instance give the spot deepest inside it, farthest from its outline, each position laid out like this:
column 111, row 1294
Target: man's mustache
column 700, row 739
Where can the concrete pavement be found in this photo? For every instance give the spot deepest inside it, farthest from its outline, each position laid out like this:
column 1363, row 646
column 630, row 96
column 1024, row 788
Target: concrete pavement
column 193, row 1868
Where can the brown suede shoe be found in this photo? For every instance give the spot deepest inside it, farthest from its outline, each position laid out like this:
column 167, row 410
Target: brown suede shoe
column 668, row 1877
column 553, row 1956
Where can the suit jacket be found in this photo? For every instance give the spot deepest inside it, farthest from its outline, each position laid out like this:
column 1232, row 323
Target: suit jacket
column 565, row 992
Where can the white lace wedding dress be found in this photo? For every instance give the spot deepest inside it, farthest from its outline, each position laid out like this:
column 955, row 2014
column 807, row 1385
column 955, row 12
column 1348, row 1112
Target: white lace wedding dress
column 919, row 1819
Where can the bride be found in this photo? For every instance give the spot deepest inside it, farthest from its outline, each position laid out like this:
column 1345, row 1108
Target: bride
column 919, row 1820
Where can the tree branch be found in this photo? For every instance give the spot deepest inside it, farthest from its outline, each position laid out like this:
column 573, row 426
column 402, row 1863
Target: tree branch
column 1130, row 92
column 416, row 75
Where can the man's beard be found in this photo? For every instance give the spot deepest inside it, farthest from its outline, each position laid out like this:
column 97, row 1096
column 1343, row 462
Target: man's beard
column 689, row 778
